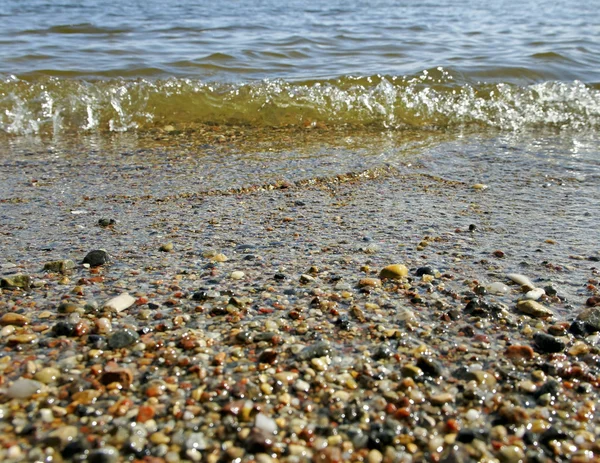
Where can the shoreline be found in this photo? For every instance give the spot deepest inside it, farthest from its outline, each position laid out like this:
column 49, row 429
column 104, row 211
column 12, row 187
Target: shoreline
column 261, row 329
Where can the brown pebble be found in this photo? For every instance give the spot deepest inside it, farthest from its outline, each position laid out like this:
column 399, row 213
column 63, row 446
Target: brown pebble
column 499, row 253
column 593, row 301
column 519, row 352
column 369, row 282
column 117, row 375
column 13, row 319
column 21, row 339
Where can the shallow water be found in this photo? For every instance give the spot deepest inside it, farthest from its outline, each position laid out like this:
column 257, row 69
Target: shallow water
column 103, row 66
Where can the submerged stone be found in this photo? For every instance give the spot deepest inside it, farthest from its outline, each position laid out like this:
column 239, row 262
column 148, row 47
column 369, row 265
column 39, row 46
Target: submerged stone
column 96, row 258
column 394, row 272
column 16, row 281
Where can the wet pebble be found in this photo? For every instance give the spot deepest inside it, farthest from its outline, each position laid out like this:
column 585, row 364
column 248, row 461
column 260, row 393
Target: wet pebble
column 16, row 281
column 96, row 258
column 23, row 388
column 122, row 338
column 14, row 319
column 547, row 343
column 591, row 318
column 534, row 309
column 394, row 272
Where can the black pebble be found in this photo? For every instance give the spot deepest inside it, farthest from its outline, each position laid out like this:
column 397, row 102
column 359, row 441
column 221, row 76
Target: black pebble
column 96, row 258
column 548, row 344
column 64, row 329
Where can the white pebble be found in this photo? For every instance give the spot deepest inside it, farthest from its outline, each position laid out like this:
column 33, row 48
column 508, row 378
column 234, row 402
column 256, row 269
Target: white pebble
column 120, row 303
column 534, row 294
column 23, row 388
column 521, row 280
column 237, row 275
column 497, row 288
column 265, row 423
column 472, row 414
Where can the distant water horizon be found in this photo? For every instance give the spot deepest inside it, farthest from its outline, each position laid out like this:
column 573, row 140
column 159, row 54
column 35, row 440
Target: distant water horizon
column 89, row 65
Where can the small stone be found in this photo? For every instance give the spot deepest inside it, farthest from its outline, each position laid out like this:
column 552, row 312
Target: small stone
column 104, row 223
column 521, row 280
column 369, row 283
column 511, row 454
column 497, row 288
column 441, row 399
column 106, row 454
column 26, row 338
column 394, row 272
column 517, row 352
column 16, row 281
column 591, row 318
column 237, row 275
column 304, row 278
column 425, row 271
column 122, row 376
column 479, row 187
column 547, row 343
column 534, row 309
column 593, row 301
column 374, row 456
column 120, row 303
column 23, row 388
column 122, row 338
column 65, row 434
column 534, row 294
column 265, row 423
column 14, row 319
column 320, row 349
column 96, row 258
column 219, row 257
column 47, row 375
column 59, row 266
column 67, row 307
column 166, row 247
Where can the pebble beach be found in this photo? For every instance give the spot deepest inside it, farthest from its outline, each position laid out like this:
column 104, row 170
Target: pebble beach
column 383, row 315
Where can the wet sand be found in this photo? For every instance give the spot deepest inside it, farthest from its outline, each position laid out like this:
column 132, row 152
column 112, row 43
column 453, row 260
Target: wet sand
column 261, row 328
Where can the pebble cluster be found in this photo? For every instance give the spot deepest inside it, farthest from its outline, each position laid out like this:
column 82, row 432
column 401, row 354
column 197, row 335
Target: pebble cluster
column 283, row 325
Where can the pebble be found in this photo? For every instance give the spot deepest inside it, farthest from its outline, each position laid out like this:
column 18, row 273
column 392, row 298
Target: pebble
column 265, row 423
column 522, row 280
column 59, row 266
column 47, row 375
column 25, row 338
column 497, row 288
column 122, row 338
column 369, row 283
column 591, row 317
column 479, row 186
column 394, row 272
column 237, row 275
column 519, row 352
column 547, row 343
column 16, row 281
column 14, row 319
column 534, row 294
column 96, row 258
column 534, row 309
column 120, row 303
column 23, row 388
column 106, row 454
column 166, row 247
column 304, row 278
column 593, row 301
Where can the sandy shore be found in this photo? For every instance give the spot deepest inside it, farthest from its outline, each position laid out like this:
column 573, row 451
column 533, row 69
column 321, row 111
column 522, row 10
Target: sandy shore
column 261, row 328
